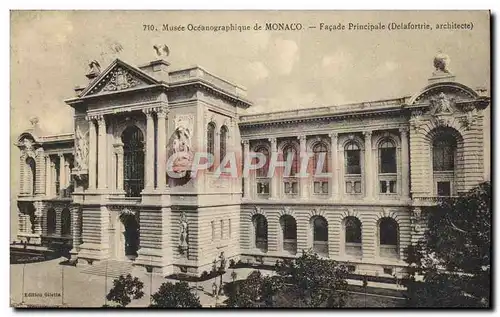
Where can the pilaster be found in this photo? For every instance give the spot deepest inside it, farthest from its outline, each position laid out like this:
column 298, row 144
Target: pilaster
column 368, row 166
column 150, row 152
column 102, row 155
column 92, row 154
column 246, row 179
column 162, row 149
column 405, row 164
column 302, row 152
column 274, row 178
column 335, row 165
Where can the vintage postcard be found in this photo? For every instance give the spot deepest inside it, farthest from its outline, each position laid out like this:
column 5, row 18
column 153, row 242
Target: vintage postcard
column 250, row 159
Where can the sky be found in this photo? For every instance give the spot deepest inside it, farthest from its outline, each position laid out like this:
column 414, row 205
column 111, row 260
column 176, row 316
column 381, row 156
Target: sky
column 51, row 50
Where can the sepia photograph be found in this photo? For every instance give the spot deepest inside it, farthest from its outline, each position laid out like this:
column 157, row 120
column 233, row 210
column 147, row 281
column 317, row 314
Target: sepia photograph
column 250, row 159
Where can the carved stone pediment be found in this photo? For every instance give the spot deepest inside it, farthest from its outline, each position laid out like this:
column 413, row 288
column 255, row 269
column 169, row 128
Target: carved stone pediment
column 119, row 76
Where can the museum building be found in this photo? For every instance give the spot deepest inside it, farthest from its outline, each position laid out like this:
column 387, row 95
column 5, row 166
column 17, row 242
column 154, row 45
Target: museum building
column 103, row 191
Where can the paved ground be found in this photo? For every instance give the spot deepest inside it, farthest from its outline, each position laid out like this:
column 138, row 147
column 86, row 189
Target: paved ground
column 50, row 284
column 43, row 285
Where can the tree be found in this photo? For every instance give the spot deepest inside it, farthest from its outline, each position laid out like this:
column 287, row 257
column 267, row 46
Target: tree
column 171, row 295
column 310, row 281
column 454, row 260
column 256, row 291
column 125, row 289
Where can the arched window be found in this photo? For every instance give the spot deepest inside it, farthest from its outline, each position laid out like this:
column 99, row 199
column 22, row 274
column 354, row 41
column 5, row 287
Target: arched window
column 320, row 155
column 352, row 230
column 51, row 221
column 352, row 158
column 443, row 153
column 388, row 237
column 289, row 231
column 320, row 166
column 65, row 222
column 211, row 142
column 353, row 238
column 260, row 228
column 262, row 171
column 290, row 155
column 444, row 148
column 31, row 171
column 387, row 157
column 133, row 161
column 223, row 143
column 320, row 235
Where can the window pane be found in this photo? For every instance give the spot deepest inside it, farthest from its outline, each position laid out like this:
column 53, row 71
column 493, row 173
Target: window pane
column 388, row 160
column 289, row 228
column 383, row 187
column 443, row 188
column 357, row 187
column 443, row 153
column 295, row 188
column 392, row 186
column 352, row 230
column 320, row 154
column 325, row 187
column 290, row 155
column 348, row 187
column 223, row 138
column 320, row 229
column 262, row 172
column 353, row 165
column 317, row 188
column 388, row 232
column 133, row 160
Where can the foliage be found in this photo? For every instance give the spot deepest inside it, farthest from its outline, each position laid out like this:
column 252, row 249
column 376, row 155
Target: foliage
column 313, row 282
column 307, row 281
column 256, row 291
column 125, row 288
column 454, row 259
column 171, row 295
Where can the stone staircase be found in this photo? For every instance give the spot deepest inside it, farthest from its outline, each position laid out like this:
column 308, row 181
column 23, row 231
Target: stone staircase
column 110, row 268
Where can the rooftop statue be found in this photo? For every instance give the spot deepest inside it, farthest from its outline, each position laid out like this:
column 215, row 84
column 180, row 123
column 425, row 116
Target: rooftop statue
column 441, row 62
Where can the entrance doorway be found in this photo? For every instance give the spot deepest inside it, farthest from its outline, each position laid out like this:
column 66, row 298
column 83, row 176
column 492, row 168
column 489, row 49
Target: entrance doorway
column 128, row 236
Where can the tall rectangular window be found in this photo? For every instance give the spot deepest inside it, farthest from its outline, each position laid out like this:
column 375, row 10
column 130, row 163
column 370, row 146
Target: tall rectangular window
column 352, row 159
column 229, row 228
column 213, row 230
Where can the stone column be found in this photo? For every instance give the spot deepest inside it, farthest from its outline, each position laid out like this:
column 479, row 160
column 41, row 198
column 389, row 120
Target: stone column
column 274, row 179
column 119, row 165
column 335, row 165
column 62, row 174
column 102, row 166
column 92, row 154
column 302, row 152
column 246, row 180
column 368, row 166
column 162, row 149
column 405, row 163
column 67, row 172
column 48, row 174
column 150, row 145
column 53, row 173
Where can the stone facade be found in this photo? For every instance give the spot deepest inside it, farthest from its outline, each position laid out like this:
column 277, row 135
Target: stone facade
column 105, row 190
